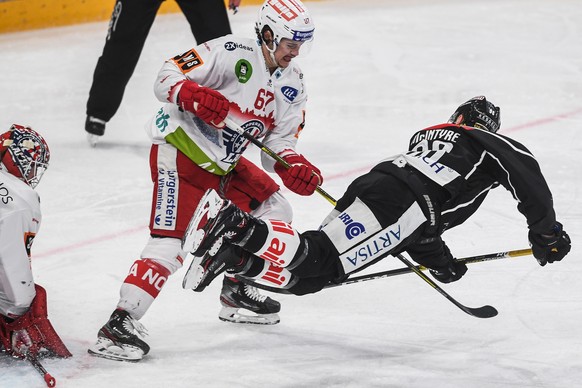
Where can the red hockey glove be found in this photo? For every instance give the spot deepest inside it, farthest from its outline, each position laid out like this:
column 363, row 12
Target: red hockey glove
column 31, row 332
column 208, row 104
column 302, row 177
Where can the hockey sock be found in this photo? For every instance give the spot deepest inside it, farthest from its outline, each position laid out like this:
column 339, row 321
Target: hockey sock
column 141, row 286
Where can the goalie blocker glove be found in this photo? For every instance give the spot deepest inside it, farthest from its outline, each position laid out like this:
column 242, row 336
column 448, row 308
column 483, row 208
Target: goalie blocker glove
column 208, row 104
column 550, row 247
column 301, row 177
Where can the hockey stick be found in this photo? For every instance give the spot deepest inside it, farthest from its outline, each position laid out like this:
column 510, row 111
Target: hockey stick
column 479, row 312
column 406, row 270
column 50, row 380
column 398, row 271
column 235, row 127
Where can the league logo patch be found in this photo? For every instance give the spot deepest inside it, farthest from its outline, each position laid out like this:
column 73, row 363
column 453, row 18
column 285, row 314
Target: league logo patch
column 188, row 61
column 243, row 71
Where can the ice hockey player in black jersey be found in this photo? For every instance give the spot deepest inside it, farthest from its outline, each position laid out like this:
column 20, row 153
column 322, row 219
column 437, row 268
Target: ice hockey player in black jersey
column 403, row 204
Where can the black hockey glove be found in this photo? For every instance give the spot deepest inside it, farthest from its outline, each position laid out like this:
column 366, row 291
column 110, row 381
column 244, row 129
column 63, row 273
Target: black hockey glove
column 550, row 247
column 449, row 272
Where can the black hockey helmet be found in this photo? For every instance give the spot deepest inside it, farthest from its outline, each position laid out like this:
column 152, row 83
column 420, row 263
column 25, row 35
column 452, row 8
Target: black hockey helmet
column 478, row 113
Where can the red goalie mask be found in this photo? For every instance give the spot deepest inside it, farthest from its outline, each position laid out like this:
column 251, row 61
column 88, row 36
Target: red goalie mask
column 24, row 153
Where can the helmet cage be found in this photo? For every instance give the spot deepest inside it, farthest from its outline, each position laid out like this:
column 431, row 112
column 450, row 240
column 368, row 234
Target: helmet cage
column 26, row 154
column 478, row 113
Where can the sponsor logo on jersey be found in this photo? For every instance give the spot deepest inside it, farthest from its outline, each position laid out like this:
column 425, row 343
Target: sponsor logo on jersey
column 235, row 143
column 289, row 93
column 384, row 241
column 166, row 199
column 188, row 61
column 162, row 120
column 375, row 246
column 5, row 196
column 243, row 70
column 231, row 46
column 353, row 228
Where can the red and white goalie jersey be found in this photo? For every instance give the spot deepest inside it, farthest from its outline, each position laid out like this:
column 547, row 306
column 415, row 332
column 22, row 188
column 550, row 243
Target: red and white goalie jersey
column 20, row 219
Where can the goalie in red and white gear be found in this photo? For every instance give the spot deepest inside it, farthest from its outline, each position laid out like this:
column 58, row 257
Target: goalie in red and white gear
column 258, row 85
column 24, row 325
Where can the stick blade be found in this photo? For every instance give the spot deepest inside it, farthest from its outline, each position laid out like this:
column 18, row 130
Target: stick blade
column 482, row 312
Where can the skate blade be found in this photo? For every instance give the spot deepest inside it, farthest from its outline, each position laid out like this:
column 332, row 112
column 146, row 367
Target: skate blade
column 194, row 275
column 106, row 348
column 93, row 139
column 207, row 209
column 239, row 315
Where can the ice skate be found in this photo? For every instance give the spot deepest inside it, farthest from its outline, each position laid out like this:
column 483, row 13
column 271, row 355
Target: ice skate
column 120, row 339
column 95, row 129
column 203, row 270
column 214, row 220
column 242, row 303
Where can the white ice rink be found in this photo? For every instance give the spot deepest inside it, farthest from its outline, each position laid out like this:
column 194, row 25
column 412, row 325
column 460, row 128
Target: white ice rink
column 378, row 71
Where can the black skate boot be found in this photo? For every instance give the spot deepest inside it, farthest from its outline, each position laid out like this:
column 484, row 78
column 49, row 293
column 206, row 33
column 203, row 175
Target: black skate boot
column 203, row 270
column 120, row 339
column 95, row 128
column 237, row 298
column 214, row 221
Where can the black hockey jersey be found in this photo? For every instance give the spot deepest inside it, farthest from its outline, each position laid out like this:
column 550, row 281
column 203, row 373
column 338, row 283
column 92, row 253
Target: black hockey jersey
column 468, row 162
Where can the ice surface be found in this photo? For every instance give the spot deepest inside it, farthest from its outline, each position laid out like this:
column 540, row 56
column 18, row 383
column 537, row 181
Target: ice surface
column 378, row 71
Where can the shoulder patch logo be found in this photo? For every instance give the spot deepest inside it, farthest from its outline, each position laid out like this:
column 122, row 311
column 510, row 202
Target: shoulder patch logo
column 188, row 61
column 243, row 70
column 289, row 92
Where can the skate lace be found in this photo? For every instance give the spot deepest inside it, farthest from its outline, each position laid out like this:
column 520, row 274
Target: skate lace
column 254, row 294
column 135, row 327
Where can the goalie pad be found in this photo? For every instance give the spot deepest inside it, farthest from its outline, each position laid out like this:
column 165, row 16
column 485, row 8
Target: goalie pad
column 32, row 333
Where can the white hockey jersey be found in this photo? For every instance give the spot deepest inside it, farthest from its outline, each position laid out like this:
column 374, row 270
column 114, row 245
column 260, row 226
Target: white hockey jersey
column 264, row 105
column 20, row 219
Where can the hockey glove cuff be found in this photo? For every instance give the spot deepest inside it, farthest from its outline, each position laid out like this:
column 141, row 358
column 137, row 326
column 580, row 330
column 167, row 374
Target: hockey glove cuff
column 550, row 247
column 208, row 104
column 301, row 177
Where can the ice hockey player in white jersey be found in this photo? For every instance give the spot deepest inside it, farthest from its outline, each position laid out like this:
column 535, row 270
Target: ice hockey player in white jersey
column 258, row 85
column 25, row 330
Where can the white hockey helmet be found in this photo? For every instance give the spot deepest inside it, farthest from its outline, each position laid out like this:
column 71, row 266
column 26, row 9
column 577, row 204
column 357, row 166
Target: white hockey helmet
column 24, row 154
column 285, row 19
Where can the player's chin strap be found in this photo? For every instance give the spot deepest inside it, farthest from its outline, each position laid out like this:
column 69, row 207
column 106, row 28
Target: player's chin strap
column 235, row 127
column 480, row 312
